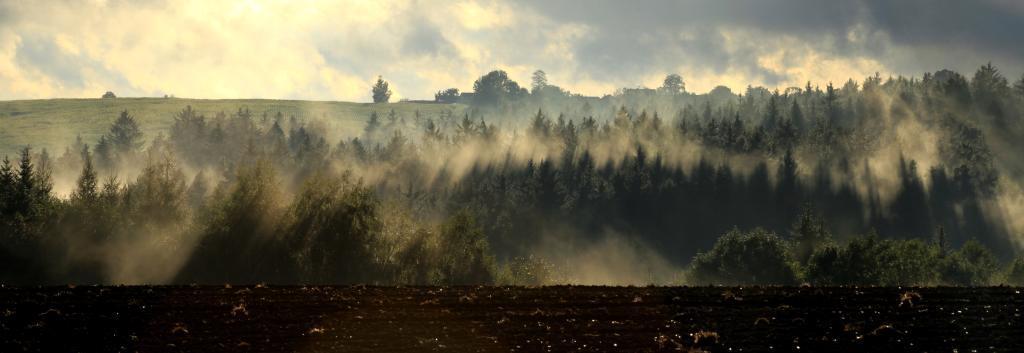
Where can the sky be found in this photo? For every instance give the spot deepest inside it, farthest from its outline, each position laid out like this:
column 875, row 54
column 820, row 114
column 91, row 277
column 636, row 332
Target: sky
column 334, row 50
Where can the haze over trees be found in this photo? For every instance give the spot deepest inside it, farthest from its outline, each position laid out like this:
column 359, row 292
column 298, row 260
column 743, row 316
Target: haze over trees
column 896, row 181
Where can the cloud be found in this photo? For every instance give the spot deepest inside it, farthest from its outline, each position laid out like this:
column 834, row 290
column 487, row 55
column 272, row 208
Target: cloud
column 335, row 49
column 900, row 37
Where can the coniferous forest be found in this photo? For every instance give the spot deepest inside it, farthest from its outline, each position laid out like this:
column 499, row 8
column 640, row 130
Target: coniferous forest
column 877, row 181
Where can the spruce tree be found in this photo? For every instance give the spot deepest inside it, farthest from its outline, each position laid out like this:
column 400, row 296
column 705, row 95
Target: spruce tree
column 125, row 134
column 381, row 91
column 87, row 181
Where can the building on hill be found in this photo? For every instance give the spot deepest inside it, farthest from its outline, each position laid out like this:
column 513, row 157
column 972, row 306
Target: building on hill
column 466, row 97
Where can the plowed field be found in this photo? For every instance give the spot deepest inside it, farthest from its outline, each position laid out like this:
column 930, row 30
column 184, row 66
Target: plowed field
column 501, row 319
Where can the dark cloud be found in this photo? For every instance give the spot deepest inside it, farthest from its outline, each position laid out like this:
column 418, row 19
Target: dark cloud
column 631, row 37
column 425, row 39
column 988, row 26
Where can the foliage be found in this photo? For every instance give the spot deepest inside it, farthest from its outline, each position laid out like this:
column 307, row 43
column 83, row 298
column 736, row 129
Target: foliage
column 972, row 265
column 465, row 256
column 754, row 257
column 334, row 232
column 1015, row 272
column 673, row 84
column 125, row 134
column 381, row 91
column 450, row 95
column 858, row 263
column 238, row 241
column 808, row 234
column 539, row 81
column 527, row 270
column 32, row 122
column 495, row 88
column 869, row 260
column 259, row 185
column 27, row 211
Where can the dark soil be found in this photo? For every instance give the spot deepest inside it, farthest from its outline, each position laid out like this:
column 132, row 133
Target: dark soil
column 556, row 319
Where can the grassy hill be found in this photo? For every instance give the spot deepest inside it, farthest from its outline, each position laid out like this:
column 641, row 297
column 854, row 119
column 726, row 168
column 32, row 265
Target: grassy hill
column 54, row 123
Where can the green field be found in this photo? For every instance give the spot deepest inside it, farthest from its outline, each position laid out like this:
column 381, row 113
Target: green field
column 54, row 123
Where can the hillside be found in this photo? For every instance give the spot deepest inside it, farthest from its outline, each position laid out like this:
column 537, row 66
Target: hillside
column 53, row 123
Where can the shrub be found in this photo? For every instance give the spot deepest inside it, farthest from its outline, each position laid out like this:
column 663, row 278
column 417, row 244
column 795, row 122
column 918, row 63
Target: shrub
column 755, row 257
column 238, row 241
column 971, row 265
column 450, row 95
column 808, row 234
column 415, row 262
column 1015, row 272
column 381, row 91
column 465, row 256
column 334, row 230
column 868, row 260
column 527, row 271
column 908, row 262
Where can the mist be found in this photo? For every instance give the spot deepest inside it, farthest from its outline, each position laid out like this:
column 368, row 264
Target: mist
column 518, row 186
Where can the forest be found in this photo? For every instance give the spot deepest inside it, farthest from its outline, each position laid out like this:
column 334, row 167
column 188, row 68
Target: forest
column 894, row 181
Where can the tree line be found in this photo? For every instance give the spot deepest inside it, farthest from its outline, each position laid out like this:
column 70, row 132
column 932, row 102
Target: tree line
column 256, row 196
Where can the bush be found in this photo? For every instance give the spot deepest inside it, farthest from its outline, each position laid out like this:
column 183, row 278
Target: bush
column 465, row 256
column 238, row 239
column 869, row 260
column 908, row 262
column 381, row 91
column 334, row 230
column 415, row 262
column 972, row 265
column 527, row 271
column 808, row 234
column 450, row 95
column 495, row 88
column 755, row 257
column 1015, row 272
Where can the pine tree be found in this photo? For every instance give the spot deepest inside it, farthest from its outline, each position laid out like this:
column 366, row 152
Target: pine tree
column 7, row 186
column 540, row 126
column 787, row 174
column 87, row 181
column 125, row 134
column 831, row 107
column 381, row 91
column 942, row 243
column 25, row 192
column 809, row 233
column 797, row 116
column 1019, row 86
column 104, row 153
column 372, row 125
column 197, row 190
column 540, row 81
